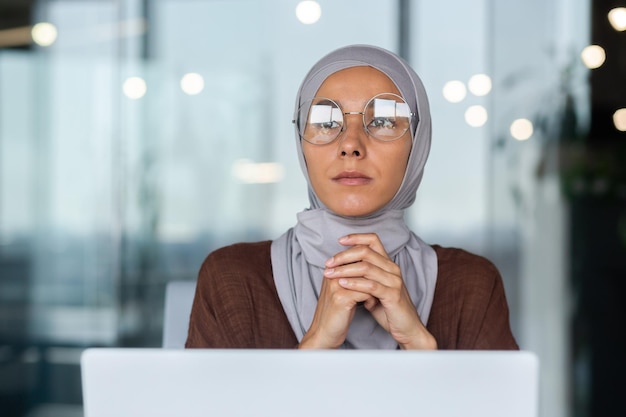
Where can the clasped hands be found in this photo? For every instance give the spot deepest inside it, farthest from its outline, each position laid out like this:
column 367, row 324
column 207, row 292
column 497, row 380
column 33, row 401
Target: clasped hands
column 364, row 273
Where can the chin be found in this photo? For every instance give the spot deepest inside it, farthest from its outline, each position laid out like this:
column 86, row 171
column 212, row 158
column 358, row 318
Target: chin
column 359, row 211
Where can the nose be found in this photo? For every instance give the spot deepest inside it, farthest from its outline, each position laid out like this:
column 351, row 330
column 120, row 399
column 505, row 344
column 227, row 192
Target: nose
column 353, row 137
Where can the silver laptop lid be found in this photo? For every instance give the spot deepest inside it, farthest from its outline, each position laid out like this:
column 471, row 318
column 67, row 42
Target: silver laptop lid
column 125, row 382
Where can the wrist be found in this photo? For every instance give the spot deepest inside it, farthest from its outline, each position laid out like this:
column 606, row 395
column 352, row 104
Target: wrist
column 422, row 342
column 309, row 342
column 312, row 340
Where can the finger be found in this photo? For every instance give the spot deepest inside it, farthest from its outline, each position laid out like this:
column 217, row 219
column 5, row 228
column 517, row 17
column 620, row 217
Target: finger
column 393, row 310
column 366, row 239
column 371, row 303
column 370, row 266
column 361, row 254
column 335, row 309
column 346, row 298
column 372, row 288
column 342, row 297
column 355, row 254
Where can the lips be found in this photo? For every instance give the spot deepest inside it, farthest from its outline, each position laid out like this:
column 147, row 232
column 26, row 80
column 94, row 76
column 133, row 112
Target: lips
column 352, row 178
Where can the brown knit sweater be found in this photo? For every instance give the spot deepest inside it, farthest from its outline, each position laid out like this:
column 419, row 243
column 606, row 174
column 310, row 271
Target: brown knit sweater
column 236, row 304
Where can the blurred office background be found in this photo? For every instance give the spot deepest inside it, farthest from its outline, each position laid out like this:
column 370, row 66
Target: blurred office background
column 138, row 135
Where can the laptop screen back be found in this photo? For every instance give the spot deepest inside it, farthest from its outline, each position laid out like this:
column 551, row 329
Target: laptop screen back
column 125, row 382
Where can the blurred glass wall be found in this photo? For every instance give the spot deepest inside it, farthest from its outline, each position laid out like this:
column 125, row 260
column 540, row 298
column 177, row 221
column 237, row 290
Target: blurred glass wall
column 136, row 136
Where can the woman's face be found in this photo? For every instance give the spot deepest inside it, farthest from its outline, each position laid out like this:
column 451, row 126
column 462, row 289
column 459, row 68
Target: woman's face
column 356, row 174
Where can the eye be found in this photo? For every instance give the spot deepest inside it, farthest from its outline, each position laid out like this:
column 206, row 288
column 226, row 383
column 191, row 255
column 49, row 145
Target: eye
column 324, row 118
column 329, row 125
column 382, row 123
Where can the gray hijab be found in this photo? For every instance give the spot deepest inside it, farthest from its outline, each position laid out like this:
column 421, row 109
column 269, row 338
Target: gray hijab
column 298, row 256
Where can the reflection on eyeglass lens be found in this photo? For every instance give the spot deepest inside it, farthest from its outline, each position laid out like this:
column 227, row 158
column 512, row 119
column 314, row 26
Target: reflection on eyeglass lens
column 385, row 117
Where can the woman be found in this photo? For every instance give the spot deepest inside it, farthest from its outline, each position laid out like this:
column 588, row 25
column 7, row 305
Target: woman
column 350, row 274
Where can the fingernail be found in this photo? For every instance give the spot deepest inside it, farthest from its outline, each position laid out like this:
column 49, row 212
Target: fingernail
column 329, row 271
column 330, row 261
column 343, row 281
column 343, row 239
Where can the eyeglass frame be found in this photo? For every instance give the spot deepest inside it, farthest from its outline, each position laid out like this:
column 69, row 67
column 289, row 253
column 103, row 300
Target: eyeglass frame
column 343, row 126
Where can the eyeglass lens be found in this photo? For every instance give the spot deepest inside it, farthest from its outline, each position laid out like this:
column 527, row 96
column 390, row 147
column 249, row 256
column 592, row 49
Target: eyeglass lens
column 385, row 117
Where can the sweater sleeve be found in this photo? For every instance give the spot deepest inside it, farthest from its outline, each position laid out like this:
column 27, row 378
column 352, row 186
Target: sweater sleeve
column 236, row 304
column 470, row 310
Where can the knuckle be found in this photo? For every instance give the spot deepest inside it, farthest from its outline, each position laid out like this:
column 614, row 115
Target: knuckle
column 397, row 285
column 364, row 268
column 339, row 298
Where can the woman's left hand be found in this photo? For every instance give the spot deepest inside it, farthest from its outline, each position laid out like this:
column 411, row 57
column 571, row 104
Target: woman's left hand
column 366, row 267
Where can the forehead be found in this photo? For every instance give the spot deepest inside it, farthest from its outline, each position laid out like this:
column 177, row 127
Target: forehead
column 356, row 83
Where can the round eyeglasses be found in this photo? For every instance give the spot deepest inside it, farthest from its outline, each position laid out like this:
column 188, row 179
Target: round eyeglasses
column 386, row 117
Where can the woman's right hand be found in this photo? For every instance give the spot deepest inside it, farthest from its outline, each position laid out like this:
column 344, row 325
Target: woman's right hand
column 335, row 309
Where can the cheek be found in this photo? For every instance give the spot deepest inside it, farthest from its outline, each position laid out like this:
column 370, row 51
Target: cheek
column 398, row 176
column 312, row 161
column 402, row 157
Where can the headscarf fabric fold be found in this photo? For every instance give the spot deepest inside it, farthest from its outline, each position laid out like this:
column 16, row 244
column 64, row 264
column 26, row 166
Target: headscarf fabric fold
column 298, row 255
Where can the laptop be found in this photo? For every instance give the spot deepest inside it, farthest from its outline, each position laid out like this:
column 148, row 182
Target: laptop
column 137, row 382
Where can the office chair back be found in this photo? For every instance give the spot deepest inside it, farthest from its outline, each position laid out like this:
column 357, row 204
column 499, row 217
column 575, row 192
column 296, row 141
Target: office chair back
column 178, row 299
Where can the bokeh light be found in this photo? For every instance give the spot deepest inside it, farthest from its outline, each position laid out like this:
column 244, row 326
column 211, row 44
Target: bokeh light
column 308, row 12
column 593, row 56
column 476, row 116
column 250, row 172
column 192, row 83
column 521, row 129
column 44, row 33
column 617, row 18
column 619, row 119
column 454, row 91
column 134, row 87
column 479, row 84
